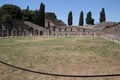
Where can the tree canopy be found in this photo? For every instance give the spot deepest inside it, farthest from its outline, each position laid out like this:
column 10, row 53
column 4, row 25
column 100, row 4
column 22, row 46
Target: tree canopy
column 12, row 10
column 70, row 18
column 81, row 19
column 51, row 16
column 36, row 17
column 27, row 14
column 42, row 15
column 102, row 16
column 89, row 19
column 6, row 18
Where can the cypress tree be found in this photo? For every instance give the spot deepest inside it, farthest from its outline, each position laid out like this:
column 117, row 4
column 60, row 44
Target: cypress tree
column 27, row 8
column 89, row 19
column 81, row 19
column 42, row 15
column 102, row 15
column 70, row 18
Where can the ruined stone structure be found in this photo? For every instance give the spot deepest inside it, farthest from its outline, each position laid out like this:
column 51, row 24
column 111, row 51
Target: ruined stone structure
column 24, row 28
column 112, row 32
column 74, row 31
column 21, row 28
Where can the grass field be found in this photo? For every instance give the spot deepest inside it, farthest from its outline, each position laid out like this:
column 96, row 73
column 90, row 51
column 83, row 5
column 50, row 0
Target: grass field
column 63, row 55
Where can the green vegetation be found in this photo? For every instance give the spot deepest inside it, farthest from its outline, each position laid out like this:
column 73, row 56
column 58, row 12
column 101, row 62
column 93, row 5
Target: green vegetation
column 102, row 16
column 51, row 16
column 12, row 10
column 70, row 18
column 27, row 14
column 18, row 47
column 89, row 19
column 81, row 19
column 42, row 15
column 66, row 55
column 6, row 18
column 35, row 17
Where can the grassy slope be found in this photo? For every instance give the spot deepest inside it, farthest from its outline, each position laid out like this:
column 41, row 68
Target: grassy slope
column 70, row 55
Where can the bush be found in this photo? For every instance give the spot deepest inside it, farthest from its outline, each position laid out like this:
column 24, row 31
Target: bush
column 6, row 18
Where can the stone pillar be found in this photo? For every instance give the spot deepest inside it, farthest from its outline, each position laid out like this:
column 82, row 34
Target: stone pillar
column 8, row 33
column 94, row 34
column 2, row 33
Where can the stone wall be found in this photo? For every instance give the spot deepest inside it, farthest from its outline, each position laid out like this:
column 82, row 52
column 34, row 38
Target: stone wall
column 21, row 28
column 74, row 31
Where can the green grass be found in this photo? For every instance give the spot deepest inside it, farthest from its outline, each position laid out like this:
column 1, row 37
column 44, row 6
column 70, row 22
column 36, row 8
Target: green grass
column 51, row 54
column 44, row 48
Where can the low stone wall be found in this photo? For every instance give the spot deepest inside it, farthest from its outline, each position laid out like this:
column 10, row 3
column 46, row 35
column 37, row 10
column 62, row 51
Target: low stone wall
column 76, row 33
column 112, row 37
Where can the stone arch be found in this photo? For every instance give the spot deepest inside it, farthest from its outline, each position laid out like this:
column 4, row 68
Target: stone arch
column 71, row 29
column 83, row 30
column 31, row 31
column 59, row 29
column 41, row 33
column 53, row 29
column 78, row 29
column 36, row 31
column 65, row 29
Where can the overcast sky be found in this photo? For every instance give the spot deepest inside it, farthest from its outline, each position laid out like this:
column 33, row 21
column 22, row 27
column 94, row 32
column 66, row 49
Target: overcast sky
column 62, row 7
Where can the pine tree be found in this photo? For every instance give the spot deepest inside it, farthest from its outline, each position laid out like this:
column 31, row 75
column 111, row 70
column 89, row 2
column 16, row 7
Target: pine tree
column 42, row 15
column 102, row 15
column 70, row 18
column 81, row 19
column 89, row 19
column 13, row 10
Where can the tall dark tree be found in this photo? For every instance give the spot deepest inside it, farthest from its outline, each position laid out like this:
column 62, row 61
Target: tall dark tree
column 27, row 8
column 12, row 10
column 70, row 18
column 102, row 16
column 42, row 15
column 81, row 19
column 89, row 19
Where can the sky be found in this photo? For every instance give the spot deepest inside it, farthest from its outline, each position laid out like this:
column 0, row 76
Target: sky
column 62, row 7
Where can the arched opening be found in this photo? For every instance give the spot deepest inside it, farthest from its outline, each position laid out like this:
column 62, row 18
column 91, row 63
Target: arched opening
column 71, row 29
column 59, row 29
column 31, row 31
column 41, row 33
column 36, row 32
column 78, row 29
column 53, row 29
column 65, row 29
